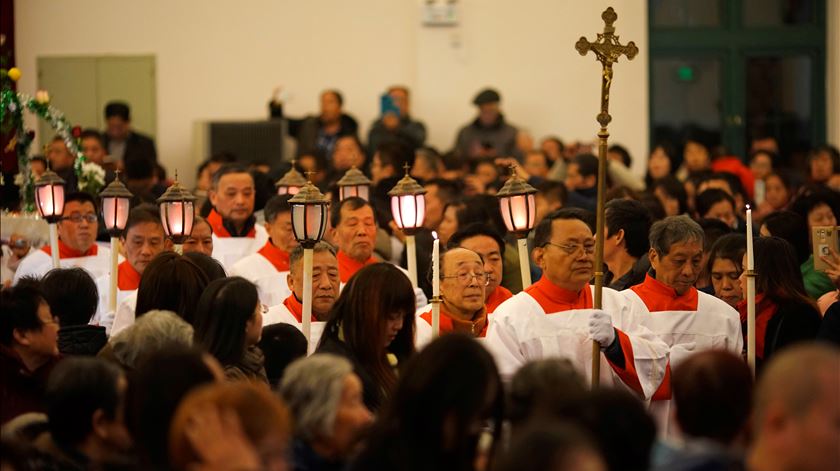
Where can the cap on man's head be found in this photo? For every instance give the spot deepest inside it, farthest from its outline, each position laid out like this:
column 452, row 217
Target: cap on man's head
column 488, row 95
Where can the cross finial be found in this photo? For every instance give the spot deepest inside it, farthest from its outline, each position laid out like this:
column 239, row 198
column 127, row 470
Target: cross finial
column 406, row 167
column 176, row 174
column 309, row 174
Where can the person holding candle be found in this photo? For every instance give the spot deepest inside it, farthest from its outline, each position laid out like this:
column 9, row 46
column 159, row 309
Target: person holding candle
column 462, row 286
column 554, row 317
column 784, row 313
column 490, row 246
column 667, row 303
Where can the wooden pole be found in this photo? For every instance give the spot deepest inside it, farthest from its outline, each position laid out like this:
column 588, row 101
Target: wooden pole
column 524, row 263
column 56, row 261
column 308, row 257
column 115, row 256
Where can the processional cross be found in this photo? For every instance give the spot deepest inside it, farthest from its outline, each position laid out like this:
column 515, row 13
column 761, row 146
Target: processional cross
column 607, row 51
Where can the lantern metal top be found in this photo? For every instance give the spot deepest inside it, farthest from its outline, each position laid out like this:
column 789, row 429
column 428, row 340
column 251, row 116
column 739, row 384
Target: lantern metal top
column 176, row 193
column 291, row 178
column 116, row 189
column 309, row 194
column 515, row 186
column 407, row 186
column 50, row 178
column 354, row 177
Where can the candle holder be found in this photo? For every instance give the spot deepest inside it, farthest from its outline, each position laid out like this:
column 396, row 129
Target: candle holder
column 408, row 207
column 517, row 202
column 177, row 212
column 49, row 198
column 116, row 203
column 291, row 182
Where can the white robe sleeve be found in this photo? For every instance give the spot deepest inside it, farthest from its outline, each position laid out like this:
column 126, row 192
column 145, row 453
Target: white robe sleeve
column 502, row 340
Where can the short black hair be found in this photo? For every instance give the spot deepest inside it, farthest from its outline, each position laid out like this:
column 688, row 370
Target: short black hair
column 790, row 226
column 542, row 233
column 626, row 159
column 20, row 309
column 552, row 191
column 81, row 197
column 634, row 218
column 91, row 133
column 732, row 180
column 473, row 230
column 587, row 164
column 335, row 93
column 282, row 344
column 119, row 109
column 209, row 265
column 728, row 247
column 394, row 154
column 674, row 189
column 139, row 169
column 275, row 205
column 76, row 389
column 72, row 295
column 831, row 151
column 708, row 198
column 713, row 229
column 447, row 190
column 228, row 169
column 353, row 203
column 171, row 282
column 141, row 214
column 812, row 196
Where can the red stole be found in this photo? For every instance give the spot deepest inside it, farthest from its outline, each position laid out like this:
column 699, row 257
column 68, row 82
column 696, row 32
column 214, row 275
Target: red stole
column 498, row 296
column 553, row 298
column 296, row 308
column 65, row 251
column 217, row 224
column 278, row 258
column 347, row 266
column 449, row 323
column 765, row 309
column 658, row 296
column 128, row 279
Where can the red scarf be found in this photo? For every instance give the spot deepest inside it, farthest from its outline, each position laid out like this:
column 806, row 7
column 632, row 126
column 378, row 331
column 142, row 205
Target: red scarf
column 278, row 258
column 347, row 266
column 449, row 323
column 128, row 279
column 296, row 308
column 658, row 296
column 217, row 224
column 765, row 309
column 65, row 251
column 553, row 298
column 498, row 296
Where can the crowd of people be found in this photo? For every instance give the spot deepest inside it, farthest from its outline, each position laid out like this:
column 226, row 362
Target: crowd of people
column 204, row 364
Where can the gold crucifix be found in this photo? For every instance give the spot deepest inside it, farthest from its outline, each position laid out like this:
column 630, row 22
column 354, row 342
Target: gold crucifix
column 607, row 51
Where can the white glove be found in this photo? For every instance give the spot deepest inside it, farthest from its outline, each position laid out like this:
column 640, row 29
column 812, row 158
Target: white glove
column 601, row 328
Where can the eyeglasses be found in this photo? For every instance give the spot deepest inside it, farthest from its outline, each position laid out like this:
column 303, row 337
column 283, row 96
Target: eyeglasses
column 466, row 278
column 572, row 249
column 77, row 218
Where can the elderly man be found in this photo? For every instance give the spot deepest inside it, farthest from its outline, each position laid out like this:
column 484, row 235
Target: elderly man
column 796, row 411
column 325, row 399
column 142, row 240
column 554, row 317
column 76, row 242
column 269, row 267
column 235, row 232
column 325, row 288
column 462, row 284
column 667, row 302
column 488, row 244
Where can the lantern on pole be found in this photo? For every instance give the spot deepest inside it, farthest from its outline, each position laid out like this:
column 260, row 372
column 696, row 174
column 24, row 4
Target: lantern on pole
column 116, row 203
column 309, row 223
column 49, row 197
column 177, row 211
column 354, row 183
column 291, row 182
column 408, row 207
column 518, row 207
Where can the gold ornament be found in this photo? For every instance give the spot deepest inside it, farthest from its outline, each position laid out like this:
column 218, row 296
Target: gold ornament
column 14, row 74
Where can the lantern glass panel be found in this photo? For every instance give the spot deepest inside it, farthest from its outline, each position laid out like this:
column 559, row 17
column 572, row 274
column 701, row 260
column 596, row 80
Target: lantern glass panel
column 50, row 200
column 177, row 217
column 518, row 212
column 288, row 190
column 409, row 211
column 115, row 212
column 308, row 221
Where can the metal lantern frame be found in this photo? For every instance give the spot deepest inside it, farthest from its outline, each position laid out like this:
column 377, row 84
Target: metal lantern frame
column 354, row 183
column 408, row 201
column 116, row 204
column 52, row 186
column 177, row 198
column 290, row 183
column 309, row 215
column 517, row 200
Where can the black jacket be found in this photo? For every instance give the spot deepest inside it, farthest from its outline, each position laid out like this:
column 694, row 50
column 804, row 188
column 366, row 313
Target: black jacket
column 792, row 323
column 137, row 146
column 81, row 339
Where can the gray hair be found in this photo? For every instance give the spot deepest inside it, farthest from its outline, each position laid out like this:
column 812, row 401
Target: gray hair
column 150, row 333
column 672, row 230
column 296, row 254
column 312, row 389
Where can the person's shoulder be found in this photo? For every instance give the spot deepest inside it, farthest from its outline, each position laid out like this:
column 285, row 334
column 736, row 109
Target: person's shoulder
column 715, row 305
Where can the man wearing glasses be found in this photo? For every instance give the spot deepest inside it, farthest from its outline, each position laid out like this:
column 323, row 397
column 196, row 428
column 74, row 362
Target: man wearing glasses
column 462, row 284
column 76, row 242
column 555, row 318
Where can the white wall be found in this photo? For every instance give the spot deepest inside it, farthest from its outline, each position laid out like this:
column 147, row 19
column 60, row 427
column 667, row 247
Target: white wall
column 218, row 59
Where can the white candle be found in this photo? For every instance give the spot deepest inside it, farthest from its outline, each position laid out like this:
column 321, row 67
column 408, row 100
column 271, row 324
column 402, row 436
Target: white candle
column 436, row 266
column 750, row 260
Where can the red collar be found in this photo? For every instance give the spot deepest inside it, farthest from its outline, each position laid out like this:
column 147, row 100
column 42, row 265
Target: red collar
column 553, row 298
column 658, row 296
column 296, row 308
column 65, row 251
column 278, row 258
column 448, row 323
column 765, row 309
column 498, row 296
column 128, row 279
column 217, row 223
column 347, row 266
